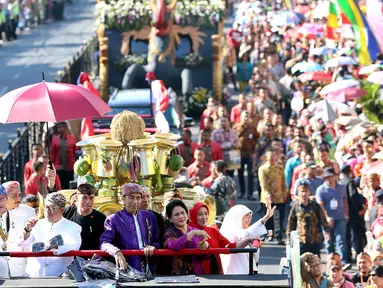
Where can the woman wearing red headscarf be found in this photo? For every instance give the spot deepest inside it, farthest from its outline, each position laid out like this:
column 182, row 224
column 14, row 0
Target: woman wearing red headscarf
column 199, row 216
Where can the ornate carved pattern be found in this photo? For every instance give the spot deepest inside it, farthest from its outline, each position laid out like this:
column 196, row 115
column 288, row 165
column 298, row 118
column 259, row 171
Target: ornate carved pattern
column 148, row 33
column 142, row 34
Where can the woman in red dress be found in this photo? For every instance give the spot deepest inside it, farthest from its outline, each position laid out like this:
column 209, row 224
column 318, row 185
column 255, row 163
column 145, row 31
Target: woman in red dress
column 199, row 216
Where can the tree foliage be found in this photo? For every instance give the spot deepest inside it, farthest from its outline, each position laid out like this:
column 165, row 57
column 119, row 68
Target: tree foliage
column 372, row 103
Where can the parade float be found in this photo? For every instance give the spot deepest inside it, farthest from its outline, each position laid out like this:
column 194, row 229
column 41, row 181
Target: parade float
column 179, row 41
column 127, row 154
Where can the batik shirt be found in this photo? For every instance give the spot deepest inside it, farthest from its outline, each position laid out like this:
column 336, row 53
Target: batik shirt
column 308, row 221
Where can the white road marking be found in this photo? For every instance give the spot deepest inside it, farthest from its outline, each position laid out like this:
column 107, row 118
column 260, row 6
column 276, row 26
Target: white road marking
column 2, row 91
column 16, row 76
column 27, row 66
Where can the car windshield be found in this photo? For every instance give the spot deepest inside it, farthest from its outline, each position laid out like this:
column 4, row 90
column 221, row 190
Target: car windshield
column 138, row 110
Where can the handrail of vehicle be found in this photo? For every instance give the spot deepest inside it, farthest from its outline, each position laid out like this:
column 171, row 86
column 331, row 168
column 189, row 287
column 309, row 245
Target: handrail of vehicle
column 157, row 252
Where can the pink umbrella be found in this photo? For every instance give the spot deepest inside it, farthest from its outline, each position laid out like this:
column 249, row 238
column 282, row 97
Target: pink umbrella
column 376, row 77
column 310, row 29
column 315, row 76
column 373, row 168
column 346, row 94
column 303, row 9
column 50, row 102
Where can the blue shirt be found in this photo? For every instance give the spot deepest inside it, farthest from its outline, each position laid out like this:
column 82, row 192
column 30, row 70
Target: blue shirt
column 244, row 73
column 289, row 169
column 314, row 183
column 328, row 195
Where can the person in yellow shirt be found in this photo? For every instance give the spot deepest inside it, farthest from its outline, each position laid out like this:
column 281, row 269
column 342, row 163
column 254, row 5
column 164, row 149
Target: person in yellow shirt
column 272, row 181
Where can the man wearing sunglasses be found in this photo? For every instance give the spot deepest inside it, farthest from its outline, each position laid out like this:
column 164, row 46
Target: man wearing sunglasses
column 376, row 277
column 54, row 233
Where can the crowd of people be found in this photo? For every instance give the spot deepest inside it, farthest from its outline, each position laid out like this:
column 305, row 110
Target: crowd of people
column 19, row 15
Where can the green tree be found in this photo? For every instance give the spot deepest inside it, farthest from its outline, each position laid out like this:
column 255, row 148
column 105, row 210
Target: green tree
column 372, row 103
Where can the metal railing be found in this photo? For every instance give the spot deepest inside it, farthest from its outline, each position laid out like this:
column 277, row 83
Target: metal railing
column 157, row 252
column 84, row 60
column 13, row 161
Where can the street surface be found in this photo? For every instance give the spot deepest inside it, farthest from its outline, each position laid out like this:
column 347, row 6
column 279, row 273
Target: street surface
column 46, row 48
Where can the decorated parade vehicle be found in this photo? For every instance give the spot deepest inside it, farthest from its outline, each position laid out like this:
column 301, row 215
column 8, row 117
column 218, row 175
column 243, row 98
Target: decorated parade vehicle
column 132, row 155
column 141, row 41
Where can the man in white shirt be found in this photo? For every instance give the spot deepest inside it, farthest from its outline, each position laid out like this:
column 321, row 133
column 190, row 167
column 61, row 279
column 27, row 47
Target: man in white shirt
column 5, row 226
column 41, row 231
column 18, row 216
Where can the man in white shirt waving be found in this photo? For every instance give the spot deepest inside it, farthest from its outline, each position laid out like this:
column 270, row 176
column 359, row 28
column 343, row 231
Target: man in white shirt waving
column 18, row 216
column 40, row 232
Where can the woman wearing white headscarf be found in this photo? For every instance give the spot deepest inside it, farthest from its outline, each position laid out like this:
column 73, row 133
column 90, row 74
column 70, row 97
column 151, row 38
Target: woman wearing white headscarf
column 236, row 227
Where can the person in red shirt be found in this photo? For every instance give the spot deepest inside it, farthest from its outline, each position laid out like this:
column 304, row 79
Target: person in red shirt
column 200, row 168
column 208, row 182
column 210, row 111
column 235, row 116
column 199, row 216
column 41, row 181
column 37, row 151
column 213, row 151
column 44, row 159
column 187, row 147
column 63, row 149
column 208, row 124
column 235, row 36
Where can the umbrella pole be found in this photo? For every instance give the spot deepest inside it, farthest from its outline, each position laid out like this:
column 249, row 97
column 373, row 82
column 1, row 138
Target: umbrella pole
column 49, row 148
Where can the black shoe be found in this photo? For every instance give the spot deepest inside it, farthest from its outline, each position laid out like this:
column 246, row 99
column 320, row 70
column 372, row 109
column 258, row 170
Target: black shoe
column 240, row 196
column 270, row 238
column 347, row 266
column 250, row 198
column 281, row 242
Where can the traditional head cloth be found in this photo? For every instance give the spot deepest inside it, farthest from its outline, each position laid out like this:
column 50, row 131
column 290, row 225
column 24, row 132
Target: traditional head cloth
column 145, row 189
column 11, row 186
column 233, row 222
column 131, row 188
column 56, row 198
column 193, row 212
column 3, row 191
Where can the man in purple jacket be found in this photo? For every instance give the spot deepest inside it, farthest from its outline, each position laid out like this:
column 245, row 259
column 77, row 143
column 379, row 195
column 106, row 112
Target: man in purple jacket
column 131, row 229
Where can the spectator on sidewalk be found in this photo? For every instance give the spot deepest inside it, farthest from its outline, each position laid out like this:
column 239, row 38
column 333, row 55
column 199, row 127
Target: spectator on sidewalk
column 42, row 180
column 308, row 219
column 363, row 263
column 37, row 151
column 227, row 138
column 235, row 116
column 293, row 162
column 187, row 147
column 63, row 149
column 213, row 151
column 310, row 176
column 333, row 198
column 247, row 140
column 357, row 206
column 199, row 168
column 272, row 182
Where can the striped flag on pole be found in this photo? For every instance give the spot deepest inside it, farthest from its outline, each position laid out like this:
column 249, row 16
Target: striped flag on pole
column 332, row 21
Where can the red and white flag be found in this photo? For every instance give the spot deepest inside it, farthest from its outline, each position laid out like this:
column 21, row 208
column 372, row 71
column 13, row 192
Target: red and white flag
column 86, row 124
